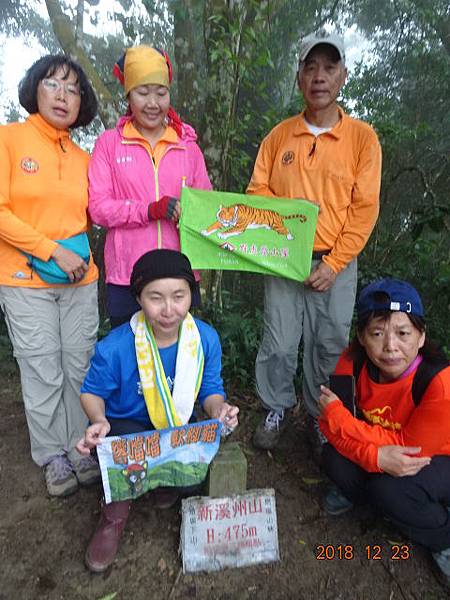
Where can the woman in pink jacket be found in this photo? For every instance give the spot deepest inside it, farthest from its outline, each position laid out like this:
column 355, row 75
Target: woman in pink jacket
column 137, row 172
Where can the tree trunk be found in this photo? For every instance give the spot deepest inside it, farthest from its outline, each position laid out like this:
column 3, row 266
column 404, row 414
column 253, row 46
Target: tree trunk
column 65, row 34
column 187, row 38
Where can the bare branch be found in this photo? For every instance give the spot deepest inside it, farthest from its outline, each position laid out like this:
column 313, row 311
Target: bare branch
column 79, row 25
column 329, row 16
column 423, row 178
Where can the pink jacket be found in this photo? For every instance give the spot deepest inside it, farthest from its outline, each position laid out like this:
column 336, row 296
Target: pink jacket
column 123, row 181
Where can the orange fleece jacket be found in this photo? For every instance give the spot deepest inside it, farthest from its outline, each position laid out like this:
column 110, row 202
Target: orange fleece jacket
column 340, row 169
column 391, row 417
column 43, row 197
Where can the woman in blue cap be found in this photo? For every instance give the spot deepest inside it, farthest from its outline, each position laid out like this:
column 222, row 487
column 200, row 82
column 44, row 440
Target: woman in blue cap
column 395, row 450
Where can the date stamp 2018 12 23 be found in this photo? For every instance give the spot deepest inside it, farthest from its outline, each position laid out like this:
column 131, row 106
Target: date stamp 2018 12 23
column 369, row 552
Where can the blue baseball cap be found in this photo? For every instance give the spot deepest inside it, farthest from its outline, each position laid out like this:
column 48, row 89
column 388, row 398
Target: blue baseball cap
column 399, row 296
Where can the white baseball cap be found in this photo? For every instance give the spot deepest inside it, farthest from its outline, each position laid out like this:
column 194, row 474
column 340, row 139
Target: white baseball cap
column 321, row 37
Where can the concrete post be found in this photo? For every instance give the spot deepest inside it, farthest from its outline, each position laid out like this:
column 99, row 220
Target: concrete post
column 227, row 472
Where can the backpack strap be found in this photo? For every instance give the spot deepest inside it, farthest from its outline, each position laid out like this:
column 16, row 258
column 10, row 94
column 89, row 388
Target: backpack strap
column 358, row 365
column 426, row 371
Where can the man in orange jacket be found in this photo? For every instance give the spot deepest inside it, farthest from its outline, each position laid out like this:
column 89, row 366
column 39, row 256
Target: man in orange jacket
column 329, row 158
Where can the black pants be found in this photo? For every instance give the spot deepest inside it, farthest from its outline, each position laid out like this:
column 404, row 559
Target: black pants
column 125, row 426
column 418, row 505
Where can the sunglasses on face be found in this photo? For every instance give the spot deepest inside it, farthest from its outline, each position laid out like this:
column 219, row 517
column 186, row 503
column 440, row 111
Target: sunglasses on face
column 53, row 85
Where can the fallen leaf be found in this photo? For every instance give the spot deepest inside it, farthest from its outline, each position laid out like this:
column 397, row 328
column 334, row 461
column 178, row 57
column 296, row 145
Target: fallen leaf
column 393, row 543
column 162, row 565
column 311, row 480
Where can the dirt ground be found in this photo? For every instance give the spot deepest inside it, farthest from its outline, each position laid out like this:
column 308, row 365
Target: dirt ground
column 42, row 540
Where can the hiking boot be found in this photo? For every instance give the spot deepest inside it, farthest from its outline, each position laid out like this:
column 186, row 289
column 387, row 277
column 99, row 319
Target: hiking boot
column 165, row 497
column 102, row 549
column 59, row 477
column 268, row 432
column 442, row 560
column 87, row 470
column 335, row 503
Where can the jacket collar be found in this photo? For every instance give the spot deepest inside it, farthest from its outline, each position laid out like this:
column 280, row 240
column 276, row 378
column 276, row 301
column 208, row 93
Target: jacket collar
column 129, row 132
column 188, row 133
column 301, row 128
column 55, row 135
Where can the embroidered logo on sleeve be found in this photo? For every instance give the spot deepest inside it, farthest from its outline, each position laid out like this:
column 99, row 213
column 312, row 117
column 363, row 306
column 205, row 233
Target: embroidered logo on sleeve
column 288, row 158
column 29, row 165
column 20, row 275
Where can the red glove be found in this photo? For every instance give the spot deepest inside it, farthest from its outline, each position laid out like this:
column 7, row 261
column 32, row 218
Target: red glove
column 163, row 209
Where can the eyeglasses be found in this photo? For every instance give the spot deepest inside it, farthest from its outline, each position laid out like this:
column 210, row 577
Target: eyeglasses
column 53, row 85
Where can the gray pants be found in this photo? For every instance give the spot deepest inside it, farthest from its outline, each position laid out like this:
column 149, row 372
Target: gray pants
column 53, row 332
column 292, row 312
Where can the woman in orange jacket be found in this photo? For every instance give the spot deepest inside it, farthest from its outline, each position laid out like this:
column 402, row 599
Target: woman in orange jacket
column 394, row 452
column 48, row 280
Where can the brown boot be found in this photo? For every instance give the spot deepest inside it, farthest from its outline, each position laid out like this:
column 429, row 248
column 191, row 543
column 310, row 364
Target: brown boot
column 104, row 544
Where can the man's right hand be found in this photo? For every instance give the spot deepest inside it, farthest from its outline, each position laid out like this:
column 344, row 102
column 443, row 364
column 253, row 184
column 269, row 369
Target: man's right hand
column 94, row 435
column 322, row 278
column 398, row 462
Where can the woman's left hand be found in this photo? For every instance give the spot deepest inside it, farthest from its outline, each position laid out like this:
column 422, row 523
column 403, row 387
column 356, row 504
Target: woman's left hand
column 326, row 397
column 72, row 264
column 399, row 461
column 167, row 207
column 216, row 408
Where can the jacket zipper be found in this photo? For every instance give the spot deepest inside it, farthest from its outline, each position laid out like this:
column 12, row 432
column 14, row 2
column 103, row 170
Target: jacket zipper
column 155, row 171
column 60, row 156
column 313, row 148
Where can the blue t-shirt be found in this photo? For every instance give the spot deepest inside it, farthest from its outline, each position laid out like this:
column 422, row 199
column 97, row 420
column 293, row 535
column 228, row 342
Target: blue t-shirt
column 114, row 376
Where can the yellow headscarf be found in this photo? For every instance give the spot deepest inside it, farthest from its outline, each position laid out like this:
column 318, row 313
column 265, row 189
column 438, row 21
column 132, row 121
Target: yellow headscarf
column 143, row 66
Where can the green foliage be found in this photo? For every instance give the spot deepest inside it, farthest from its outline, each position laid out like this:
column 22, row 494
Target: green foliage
column 413, row 261
column 239, row 323
column 8, row 366
column 403, row 90
column 19, row 17
column 251, row 63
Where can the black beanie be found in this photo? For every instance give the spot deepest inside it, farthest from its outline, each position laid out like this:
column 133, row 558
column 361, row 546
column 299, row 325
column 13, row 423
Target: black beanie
column 161, row 264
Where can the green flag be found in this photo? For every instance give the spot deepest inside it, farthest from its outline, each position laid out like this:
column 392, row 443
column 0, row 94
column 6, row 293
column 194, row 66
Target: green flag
column 239, row 232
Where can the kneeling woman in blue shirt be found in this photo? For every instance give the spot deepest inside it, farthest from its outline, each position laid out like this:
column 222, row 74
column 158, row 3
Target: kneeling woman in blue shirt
column 147, row 374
